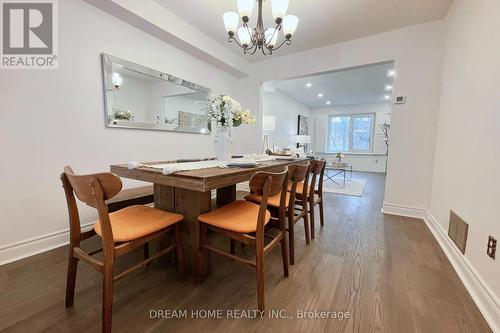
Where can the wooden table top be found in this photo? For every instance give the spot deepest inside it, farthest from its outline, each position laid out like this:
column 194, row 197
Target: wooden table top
column 201, row 180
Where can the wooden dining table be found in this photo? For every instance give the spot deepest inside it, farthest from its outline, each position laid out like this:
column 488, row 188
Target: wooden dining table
column 190, row 193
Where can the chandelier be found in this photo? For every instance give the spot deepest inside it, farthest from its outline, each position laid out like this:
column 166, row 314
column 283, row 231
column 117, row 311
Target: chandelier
column 250, row 40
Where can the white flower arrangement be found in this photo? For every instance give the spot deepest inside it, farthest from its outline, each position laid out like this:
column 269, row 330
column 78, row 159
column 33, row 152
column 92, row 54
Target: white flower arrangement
column 227, row 113
column 120, row 114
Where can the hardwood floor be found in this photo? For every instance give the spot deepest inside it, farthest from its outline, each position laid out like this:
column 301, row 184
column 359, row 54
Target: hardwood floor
column 387, row 271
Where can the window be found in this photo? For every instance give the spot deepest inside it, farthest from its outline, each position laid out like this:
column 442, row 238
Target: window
column 350, row 133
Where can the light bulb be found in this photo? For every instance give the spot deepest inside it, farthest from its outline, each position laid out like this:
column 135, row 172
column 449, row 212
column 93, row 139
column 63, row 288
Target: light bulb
column 290, row 23
column 231, row 20
column 279, row 8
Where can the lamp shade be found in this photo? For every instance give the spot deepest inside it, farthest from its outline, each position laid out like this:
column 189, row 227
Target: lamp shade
column 231, row 20
column 302, row 139
column 245, row 7
column 269, row 123
column 244, row 36
column 271, row 35
column 279, row 8
column 117, row 80
column 290, row 23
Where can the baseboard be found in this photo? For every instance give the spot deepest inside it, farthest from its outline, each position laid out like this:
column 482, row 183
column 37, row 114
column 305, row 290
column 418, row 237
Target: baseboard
column 29, row 247
column 487, row 302
column 407, row 211
column 478, row 289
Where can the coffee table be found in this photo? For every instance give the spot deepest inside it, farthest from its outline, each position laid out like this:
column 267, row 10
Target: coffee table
column 337, row 169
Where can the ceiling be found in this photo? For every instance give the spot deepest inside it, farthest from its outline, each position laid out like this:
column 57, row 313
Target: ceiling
column 322, row 22
column 358, row 85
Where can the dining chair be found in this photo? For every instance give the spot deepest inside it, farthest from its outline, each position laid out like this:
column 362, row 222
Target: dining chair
column 295, row 210
column 121, row 232
column 245, row 222
column 313, row 194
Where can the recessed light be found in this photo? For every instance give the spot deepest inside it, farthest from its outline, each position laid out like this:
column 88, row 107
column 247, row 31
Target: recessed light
column 391, row 73
column 328, row 102
column 320, row 95
column 387, row 97
column 309, row 84
column 388, row 87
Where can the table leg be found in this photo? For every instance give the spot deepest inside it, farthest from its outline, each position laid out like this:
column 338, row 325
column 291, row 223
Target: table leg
column 332, row 178
column 327, row 175
column 191, row 204
column 226, row 195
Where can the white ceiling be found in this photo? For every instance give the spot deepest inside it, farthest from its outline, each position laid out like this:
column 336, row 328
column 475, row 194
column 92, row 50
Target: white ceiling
column 322, row 22
column 350, row 86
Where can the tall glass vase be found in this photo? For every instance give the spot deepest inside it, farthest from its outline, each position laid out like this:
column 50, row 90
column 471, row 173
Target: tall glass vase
column 222, row 145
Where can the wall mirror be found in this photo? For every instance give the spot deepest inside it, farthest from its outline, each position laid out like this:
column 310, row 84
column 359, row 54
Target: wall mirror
column 143, row 98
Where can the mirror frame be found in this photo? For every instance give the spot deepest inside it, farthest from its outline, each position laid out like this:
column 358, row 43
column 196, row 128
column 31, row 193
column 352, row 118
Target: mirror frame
column 108, row 61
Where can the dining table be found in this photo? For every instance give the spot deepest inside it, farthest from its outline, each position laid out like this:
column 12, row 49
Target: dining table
column 190, row 193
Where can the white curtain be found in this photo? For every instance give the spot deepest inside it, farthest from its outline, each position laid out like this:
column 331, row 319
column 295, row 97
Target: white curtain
column 320, row 133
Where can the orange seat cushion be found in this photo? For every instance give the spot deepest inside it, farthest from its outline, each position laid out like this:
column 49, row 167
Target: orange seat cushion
column 273, row 201
column 137, row 221
column 238, row 216
column 299, row 189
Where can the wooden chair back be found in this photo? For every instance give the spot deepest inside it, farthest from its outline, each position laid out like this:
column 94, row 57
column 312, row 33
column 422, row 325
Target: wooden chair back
column 268, row 184
column 298, row 173
column 81, row 184
column 93, row 190
column 317, row 171
column 258, row 180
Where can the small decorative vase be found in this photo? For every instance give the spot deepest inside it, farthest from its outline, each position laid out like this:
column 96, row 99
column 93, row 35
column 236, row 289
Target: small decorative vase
column 222, row 145
column 237, row 123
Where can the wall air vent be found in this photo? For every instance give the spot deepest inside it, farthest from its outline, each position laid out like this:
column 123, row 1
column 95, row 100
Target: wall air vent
column 458, row 230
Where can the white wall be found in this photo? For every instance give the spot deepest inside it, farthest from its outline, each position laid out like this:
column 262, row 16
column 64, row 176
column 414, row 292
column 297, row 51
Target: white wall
column 51, row 118
column 371, row 162
column 417, row 52
column 286, row 110
column 467, row 164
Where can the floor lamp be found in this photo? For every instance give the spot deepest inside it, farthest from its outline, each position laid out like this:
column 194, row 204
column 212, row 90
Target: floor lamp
column 268, row 124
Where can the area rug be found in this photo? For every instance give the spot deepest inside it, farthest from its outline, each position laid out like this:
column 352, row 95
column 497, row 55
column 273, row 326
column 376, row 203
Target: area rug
column 354, row 187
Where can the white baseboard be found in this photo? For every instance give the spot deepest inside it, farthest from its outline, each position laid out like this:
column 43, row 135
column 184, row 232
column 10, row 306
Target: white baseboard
column 487, row 302
column 29, row 247
column 400, row 210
